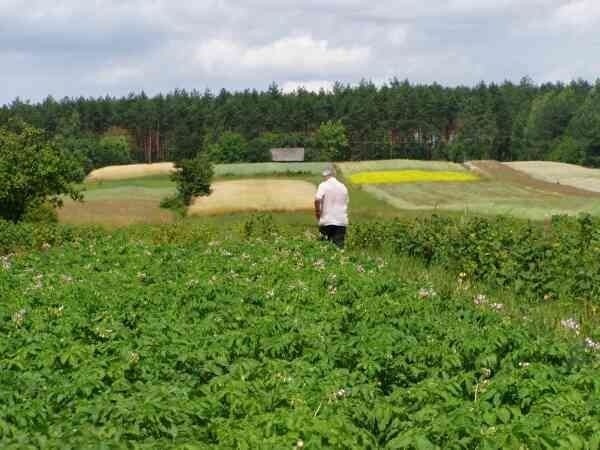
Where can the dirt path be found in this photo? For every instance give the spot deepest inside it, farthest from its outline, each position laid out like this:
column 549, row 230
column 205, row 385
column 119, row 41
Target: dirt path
column 500, row 172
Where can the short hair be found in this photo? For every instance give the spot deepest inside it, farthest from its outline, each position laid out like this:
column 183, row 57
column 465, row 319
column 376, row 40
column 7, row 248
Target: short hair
column 329, row 171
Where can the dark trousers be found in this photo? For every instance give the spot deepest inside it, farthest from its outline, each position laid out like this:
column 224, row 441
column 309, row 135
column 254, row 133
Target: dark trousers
column 333, row 233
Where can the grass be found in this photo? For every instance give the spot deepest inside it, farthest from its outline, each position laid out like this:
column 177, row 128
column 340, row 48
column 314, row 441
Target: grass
column 156, row 181
column 252, row 169
column 120, row 202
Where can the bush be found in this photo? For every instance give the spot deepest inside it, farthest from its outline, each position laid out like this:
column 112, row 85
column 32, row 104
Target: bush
column 174, row 203
column 193, row 177
column 43, row 212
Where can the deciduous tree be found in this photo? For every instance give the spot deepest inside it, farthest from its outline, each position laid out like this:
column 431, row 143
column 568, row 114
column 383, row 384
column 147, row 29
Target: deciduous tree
column 33, row 171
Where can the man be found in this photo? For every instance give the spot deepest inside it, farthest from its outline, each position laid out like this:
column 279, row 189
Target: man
column 331, row 208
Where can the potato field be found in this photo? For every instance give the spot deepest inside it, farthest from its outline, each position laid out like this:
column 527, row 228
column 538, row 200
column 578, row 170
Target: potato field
column 182, row 336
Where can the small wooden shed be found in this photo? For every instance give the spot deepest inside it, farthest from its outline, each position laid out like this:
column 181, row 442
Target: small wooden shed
column 289, row 154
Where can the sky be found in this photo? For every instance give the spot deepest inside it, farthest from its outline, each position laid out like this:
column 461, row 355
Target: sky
column 94, row 48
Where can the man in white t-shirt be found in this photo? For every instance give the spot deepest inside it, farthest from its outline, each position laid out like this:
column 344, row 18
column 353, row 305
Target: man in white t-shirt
column 331, row 208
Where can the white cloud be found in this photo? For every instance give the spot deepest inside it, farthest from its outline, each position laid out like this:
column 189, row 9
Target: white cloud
column 397, row 35
column 118, row 73
column 305, row 53
column 309, row 85
column 218, row 56
column 579, row 14
column 301, row 54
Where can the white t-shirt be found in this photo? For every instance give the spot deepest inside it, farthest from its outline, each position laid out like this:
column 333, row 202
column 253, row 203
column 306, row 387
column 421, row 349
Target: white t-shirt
column 333, row 196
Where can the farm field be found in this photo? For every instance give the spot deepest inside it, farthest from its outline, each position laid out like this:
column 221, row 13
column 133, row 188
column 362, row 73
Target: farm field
column 500, row 191
column 352, row 167
column 120, row 202
column 253, row 169
column 187, row 337
column 255, row 195
column 137, row 171
column 131, row 194
column 487, row 198
column 130, row 172
column 565, row 174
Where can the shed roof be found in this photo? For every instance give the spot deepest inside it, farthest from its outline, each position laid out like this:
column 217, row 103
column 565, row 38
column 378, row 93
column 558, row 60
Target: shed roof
column 289, row 154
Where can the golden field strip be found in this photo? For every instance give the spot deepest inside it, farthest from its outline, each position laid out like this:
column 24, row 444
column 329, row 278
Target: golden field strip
column 130, row 171
column 255, row 195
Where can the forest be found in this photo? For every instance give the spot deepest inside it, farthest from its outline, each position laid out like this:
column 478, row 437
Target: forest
column 399, row 119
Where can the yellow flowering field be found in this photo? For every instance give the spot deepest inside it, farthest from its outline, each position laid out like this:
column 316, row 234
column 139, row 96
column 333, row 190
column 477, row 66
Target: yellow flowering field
column 410, row 176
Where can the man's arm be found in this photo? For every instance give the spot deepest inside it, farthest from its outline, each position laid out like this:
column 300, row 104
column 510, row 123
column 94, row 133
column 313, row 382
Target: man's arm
column 319, row 201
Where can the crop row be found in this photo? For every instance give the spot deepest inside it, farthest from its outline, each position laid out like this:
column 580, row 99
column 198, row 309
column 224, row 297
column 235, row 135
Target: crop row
column 278, row 343
column 558, row 258
column 539, row 261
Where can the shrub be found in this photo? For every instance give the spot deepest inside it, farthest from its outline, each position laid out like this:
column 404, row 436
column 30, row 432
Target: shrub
column 174, row 203
column 43, row 212
column 193, row 177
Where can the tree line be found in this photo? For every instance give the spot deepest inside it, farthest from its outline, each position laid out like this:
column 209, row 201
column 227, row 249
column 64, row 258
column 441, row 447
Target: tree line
column 508, row 121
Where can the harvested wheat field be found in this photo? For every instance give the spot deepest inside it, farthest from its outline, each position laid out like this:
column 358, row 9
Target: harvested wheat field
column 130, row 171
column 561, row 173
column 255, row 195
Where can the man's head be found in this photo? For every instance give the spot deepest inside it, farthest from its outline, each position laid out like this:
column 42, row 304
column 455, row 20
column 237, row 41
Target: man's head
column 329, row 172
